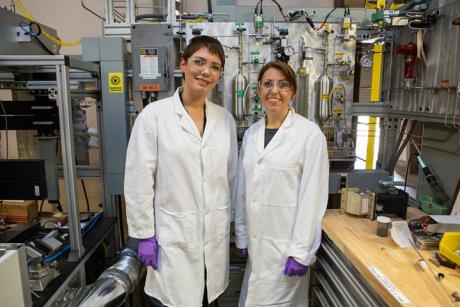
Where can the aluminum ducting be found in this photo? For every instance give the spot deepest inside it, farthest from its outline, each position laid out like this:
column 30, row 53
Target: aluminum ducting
column 111, row 288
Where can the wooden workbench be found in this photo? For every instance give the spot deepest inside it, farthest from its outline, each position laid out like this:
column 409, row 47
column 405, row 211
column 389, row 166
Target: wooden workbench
column 356, row 238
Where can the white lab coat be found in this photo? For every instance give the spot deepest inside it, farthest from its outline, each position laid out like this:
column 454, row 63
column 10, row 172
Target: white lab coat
column 178, row 187
column 282, row 197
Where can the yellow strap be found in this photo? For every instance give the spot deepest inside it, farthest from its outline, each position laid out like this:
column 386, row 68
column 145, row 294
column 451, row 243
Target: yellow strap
column 43, row 30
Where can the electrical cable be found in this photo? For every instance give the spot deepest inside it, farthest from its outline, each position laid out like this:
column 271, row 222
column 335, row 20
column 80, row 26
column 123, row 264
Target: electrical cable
column 403, row 145
column 34, row 35
column 325, row 20
column 346, row 12
column 257, row 5
column 66, row 248
column 41, row 208
column 281, row 10
column 86, row 195
column 401, row 133
column 277, row 4
column 27, row 28
column 45, row 33
column 59, row 206
column 398, row 143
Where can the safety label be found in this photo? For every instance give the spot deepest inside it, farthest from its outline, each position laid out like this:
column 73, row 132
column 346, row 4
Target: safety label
column 149, row 63
column 115, row 82
column 389, row 286
column 149, row 87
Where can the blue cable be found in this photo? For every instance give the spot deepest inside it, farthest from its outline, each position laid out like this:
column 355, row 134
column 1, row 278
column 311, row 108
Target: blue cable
column 65, row 248
column 27, row 28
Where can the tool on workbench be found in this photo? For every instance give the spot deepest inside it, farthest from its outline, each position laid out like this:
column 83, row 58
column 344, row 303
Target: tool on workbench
column 401, row 234
column 433, row 183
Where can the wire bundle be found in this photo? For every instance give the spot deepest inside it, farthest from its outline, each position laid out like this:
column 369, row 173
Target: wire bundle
column 346, row 13
column 277, row 4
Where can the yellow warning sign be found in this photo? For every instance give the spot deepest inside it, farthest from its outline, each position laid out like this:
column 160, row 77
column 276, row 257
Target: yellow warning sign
column 115, row 82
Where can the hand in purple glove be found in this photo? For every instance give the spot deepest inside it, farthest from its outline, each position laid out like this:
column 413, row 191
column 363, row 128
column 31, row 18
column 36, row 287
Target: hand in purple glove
column 293, row 268
column 147, row 252
column 243, row 251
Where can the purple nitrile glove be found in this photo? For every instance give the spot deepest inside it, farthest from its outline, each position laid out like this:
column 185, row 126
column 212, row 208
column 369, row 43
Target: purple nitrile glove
column 293, row 268
column 243, row 251
column 147, row 252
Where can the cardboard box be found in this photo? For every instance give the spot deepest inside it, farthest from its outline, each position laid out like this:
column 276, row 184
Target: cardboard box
column 19, row 212
column 355, row 3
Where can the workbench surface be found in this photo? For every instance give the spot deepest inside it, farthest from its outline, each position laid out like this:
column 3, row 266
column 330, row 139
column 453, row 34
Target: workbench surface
column 380, row 260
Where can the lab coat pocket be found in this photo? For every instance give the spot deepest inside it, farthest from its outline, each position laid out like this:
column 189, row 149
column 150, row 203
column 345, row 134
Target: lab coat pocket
column 273, row 257
column 273, row 287
column 267, row 303
column 280, row 294
column 280, row 186
column 177, row 228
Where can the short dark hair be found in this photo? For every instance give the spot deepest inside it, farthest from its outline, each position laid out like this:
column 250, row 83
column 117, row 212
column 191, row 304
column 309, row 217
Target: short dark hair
column 198, row 42
column 285, row 69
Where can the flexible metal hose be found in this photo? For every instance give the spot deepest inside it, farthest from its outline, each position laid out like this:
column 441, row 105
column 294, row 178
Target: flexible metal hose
column 111, row 288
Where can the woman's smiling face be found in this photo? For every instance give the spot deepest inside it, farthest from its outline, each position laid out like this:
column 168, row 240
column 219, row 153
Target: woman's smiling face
column 201, row 71
column 275, row 91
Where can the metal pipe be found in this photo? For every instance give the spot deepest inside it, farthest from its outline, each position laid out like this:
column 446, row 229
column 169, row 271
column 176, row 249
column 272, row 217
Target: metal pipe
column 239, row 85
column 394, row 159
column 304, row 82
column 111, row 288
column 324, row 84
column 323, row 108
column 391, row 184
column 240, row 51
column 210, row 10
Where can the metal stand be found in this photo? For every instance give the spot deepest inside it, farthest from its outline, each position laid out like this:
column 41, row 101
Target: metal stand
column 61, row 65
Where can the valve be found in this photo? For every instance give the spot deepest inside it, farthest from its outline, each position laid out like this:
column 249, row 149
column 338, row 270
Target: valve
column 409, row 51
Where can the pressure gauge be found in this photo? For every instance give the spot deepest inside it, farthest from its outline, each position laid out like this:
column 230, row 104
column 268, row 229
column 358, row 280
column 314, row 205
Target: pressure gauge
column 366, row 61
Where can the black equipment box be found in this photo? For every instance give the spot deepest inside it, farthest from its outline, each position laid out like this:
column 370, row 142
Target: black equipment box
column 22, row 179
column 394, row 201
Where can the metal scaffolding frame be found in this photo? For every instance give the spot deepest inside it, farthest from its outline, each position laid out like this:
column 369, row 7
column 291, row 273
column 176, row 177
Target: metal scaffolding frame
column 112, row 28
column 61, row 64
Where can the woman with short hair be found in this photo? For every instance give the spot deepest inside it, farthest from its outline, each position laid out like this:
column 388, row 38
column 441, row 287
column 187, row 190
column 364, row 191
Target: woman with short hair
column 180, row 170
